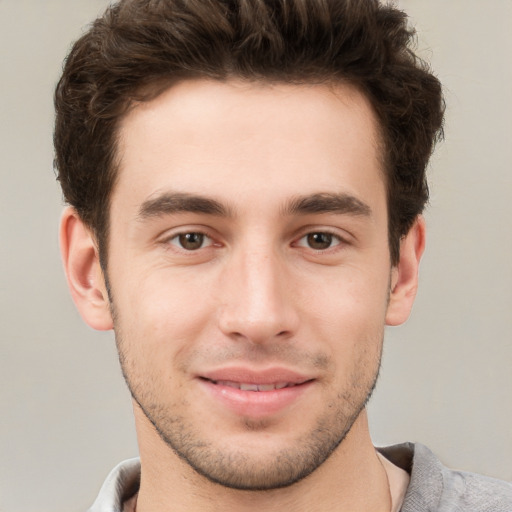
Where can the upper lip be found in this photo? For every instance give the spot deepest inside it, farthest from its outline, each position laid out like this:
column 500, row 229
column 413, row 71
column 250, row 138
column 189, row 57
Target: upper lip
column 267, row 376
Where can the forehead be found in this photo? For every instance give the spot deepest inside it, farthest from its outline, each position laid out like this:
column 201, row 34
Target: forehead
column 242, row 141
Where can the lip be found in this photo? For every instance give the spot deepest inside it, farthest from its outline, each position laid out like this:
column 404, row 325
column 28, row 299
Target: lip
column 264, row 393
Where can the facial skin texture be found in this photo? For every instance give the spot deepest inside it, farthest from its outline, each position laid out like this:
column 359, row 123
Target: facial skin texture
column 288, row 279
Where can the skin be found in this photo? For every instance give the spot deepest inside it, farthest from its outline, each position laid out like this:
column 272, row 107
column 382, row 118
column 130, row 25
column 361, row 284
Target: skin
column 249, row 237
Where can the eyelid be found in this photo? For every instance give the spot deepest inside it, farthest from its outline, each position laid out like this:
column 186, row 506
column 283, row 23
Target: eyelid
column 339, row 233
column 331, row 235
column 171, row 234
column 343, row 239
column 336, row 237
column 175, row 240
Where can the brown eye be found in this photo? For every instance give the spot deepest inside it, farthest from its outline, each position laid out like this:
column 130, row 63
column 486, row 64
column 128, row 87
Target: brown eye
column 319, row 241
column 190, row 241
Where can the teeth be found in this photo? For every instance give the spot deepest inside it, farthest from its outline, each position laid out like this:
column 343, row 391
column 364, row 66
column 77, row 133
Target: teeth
column 230, row 384
column 267, row 387
column 253, row 387
column 249, row 387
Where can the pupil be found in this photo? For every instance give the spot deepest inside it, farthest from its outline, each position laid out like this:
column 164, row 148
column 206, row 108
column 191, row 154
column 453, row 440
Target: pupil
column 319, row 240
column 191, row 241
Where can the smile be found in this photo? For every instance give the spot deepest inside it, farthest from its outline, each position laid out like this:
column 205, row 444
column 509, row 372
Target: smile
column 253, row 394
column 243, row 386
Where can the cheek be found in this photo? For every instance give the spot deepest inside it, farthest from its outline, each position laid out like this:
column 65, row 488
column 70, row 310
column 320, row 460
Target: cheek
column 159, row 316
column 348, row 296
column 348, row 314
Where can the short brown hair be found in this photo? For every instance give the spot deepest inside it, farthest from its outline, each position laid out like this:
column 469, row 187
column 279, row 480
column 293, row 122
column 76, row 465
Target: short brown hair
column 138, row 43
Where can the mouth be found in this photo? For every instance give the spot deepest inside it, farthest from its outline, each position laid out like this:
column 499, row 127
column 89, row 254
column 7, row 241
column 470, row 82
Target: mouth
column 247, row 386
column 256, row 394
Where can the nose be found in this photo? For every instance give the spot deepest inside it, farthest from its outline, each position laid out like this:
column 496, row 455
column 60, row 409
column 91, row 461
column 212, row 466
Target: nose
column 257, row 298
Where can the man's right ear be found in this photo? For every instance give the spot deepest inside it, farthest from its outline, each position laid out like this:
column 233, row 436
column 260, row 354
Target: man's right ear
column 83, row 271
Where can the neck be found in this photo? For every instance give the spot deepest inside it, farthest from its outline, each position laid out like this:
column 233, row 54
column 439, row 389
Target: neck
column 351, row 479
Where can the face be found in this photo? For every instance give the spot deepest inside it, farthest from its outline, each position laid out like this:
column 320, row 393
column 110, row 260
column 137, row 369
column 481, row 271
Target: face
column 250, row 273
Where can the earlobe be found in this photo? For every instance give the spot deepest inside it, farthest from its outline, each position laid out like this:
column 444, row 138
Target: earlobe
column 404, row 276
column 83, row 271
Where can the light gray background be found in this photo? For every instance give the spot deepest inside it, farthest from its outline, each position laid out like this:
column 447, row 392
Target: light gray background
column 65, row 417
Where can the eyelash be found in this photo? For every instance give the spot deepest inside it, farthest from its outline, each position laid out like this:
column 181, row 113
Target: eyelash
column 179, row 241
column 334, row 240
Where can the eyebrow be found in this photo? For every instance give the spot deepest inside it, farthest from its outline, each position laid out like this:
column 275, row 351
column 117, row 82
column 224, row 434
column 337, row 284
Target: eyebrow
column 328, row 203
column 178, row 202
column 169, row 203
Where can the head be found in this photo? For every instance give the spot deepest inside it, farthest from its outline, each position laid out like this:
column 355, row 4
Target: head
column 249, row 178
column 140, row 48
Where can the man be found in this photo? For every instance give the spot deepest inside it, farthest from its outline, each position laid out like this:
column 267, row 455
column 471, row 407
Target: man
column 246, row 181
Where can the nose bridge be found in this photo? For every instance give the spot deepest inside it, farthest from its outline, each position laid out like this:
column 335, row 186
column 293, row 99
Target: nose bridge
column 256, row 304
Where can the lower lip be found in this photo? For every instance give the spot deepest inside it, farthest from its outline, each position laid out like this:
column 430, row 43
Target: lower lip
column 255, row 404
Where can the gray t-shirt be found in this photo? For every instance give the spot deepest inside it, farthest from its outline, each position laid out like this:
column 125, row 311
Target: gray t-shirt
column 435, row 488
column 432, row 487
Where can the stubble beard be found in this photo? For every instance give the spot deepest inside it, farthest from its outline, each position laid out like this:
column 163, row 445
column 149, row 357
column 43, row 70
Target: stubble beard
column 237, row 469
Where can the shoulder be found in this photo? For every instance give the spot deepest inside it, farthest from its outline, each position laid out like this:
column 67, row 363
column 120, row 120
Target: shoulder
column 120, row 485
column 468, row 491
column 435, row 488
column 476, row 493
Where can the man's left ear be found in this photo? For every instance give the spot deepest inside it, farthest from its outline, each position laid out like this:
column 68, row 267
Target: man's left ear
column 404, row 276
